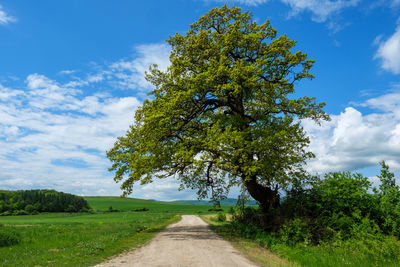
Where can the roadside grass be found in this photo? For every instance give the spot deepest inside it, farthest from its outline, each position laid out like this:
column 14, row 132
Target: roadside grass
column 269, row 251
column 250, row 248
column 85, row 239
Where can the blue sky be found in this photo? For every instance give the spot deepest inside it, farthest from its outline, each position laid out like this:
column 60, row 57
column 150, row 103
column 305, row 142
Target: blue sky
column 72, row 75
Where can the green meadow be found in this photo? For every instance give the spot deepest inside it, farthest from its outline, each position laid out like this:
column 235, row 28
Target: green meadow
column 84, row 239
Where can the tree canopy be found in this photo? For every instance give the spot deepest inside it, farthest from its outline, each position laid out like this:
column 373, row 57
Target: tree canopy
column 224, row 112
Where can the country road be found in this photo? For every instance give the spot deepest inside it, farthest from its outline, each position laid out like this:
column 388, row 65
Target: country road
column 190, row 242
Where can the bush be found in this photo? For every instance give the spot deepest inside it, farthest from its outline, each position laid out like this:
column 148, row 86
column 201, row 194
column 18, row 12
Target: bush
column 336, row 203
column 295, row 231
column 6, row 213
column 20, row 212
column 8, row 237
column 29, row 208
column 345, row 193
column 342, row 206
column 215, row 209
column 110, row 209
column 221, row 217
column 141, row 209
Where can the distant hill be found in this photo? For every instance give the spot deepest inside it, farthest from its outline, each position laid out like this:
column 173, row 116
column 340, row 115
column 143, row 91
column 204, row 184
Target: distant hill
column 225, row 202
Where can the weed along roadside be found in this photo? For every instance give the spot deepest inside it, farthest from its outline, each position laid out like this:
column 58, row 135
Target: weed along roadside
column 250, row 248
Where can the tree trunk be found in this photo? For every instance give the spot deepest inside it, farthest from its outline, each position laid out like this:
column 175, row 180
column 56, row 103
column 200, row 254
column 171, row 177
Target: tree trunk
column 267, row 197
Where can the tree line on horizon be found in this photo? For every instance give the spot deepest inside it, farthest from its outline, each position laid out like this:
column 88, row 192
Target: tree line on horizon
column 22, row 202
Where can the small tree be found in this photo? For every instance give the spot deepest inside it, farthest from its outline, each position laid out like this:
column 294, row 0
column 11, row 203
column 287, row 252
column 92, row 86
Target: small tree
column 389, row 201
column 223, row 114
column 388, row 182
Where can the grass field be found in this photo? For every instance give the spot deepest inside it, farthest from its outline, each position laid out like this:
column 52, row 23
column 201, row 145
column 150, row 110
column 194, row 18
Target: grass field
column 129, row 204
column 63, row 239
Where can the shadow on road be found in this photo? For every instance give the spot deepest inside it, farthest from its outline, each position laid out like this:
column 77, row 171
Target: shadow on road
column 190, row 232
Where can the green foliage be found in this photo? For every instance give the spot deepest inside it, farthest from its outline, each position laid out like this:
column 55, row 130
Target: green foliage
column 224, row 113
column 29, row 208
column 343, row 194
column 341, row 206
column 23, row 202
column 8, row 237
column 332, row 205
column 388, row 198
column 221, row 217
column 366, row 248
column 295, row 231
column 388, row 182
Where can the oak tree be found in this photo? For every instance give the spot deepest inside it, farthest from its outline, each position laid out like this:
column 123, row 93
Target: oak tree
column 224, row 113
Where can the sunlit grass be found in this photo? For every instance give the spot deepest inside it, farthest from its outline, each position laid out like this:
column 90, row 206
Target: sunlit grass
column 84, row 239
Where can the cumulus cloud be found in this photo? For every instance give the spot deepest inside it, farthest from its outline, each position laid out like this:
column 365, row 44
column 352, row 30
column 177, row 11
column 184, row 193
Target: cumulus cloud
column 321, row 10
column 47, row 131
column 54, row 134
column 5, row 18
column 353, row 141
column 389, row 52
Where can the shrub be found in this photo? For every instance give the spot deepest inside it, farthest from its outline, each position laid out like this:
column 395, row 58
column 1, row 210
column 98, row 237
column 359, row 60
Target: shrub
column 110, row 209
column 295, row 231
column 20, row 212
column 215, row 209
column 29, row 208
column 141, row 209
column 388, row 198
column 6, row 213
column 343, row 192
column 8, row 237
column 221, row 217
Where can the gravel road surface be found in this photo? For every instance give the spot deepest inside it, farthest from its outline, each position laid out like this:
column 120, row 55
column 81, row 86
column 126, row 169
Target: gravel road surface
column 189, row 242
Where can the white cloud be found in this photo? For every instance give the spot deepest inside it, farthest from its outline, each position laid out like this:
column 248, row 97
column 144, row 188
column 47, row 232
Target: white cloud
column 353, row 141
column 130, row 73
column 389, row 52
column 5, row 18
column 321, row 10
column 55, row 134
column 126, row 74
column 47, row 123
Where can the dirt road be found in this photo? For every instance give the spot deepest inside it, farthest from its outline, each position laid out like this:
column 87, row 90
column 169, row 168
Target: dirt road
column 189, row 242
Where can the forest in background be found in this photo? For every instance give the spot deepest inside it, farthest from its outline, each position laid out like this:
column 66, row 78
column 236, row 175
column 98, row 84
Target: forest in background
column 22, row 202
